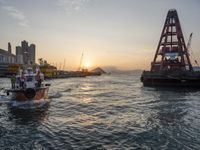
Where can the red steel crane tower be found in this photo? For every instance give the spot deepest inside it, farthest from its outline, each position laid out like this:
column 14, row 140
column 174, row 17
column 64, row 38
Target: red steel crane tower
column 171, row 53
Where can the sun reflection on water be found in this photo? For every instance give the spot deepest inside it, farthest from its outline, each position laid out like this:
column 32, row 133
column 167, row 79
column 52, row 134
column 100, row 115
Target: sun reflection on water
column 87, row 100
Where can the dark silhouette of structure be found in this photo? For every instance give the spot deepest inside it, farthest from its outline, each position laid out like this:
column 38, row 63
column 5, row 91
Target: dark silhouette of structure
column 9, row 48
column 171, row 53
column 171, row 65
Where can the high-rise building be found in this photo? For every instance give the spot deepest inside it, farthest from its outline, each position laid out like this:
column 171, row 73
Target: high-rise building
column 31, row 52
column 25, row 48
column 9, row 48
column 24, row 44
column 19, row 55
column 25, row 54
column 18, row 50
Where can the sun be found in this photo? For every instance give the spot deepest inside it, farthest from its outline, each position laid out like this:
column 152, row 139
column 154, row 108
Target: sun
column 87, row 65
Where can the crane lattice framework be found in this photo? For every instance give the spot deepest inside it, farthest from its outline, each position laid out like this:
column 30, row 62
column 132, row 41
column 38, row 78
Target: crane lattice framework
column 171, row 53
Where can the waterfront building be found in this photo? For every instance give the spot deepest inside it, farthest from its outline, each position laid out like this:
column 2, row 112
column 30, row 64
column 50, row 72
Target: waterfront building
column 19, row 55
column 25, row 53
column 24, row 46
column 6, row 57
column 31, row 52
column 9, row 62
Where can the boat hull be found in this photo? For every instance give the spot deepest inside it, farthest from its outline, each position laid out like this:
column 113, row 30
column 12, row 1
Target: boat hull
column 189, row 80
column 29, row 94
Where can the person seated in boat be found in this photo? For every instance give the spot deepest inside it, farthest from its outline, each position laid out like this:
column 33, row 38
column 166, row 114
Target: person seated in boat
column 38, row 79
column 13, row 81
column 22, row 80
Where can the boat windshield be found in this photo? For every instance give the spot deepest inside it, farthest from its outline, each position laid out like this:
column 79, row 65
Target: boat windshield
column 30, row 70
column 30, row 78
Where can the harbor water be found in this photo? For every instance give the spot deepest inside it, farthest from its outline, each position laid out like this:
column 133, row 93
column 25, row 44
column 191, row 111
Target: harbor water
column 111, row 112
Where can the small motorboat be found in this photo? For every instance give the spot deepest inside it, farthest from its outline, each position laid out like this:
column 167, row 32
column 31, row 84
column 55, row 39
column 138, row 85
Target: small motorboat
column 28, row 86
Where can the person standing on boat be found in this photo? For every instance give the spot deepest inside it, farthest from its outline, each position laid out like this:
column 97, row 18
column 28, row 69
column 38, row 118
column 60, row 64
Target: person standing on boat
column 22, row 80
column 13, row 81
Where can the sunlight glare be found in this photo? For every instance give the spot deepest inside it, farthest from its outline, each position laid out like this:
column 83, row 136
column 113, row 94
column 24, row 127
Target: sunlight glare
column 87, row 65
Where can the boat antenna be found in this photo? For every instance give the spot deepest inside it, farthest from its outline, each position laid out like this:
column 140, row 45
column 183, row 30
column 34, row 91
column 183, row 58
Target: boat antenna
column 60, row 66
column 80, row 65
column 64, row 65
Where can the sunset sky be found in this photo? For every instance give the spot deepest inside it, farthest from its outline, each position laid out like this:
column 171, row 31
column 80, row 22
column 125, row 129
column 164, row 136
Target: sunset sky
column 115, row 33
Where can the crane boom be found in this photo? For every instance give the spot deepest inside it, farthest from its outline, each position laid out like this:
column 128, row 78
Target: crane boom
column 189, row 43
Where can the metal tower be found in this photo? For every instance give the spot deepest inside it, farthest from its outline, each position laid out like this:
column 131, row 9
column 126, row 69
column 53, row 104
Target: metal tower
column 171, row 53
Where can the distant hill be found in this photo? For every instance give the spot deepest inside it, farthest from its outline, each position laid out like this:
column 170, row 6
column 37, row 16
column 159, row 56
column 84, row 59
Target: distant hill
column 98, row 70
column 116, row 70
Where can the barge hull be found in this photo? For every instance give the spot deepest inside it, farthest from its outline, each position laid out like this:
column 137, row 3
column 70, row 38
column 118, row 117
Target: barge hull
column 171, row 83
column 181, row 79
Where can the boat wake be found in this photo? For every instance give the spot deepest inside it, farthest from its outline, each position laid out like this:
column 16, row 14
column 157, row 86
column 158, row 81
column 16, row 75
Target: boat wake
column 56, row 95
column 4, row 99
column 33, row 104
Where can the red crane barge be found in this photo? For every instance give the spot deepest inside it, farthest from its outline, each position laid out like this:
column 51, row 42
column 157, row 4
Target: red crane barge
column 171, row 65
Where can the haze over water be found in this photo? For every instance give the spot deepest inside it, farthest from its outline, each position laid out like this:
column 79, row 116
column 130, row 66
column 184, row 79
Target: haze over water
column 108, row 112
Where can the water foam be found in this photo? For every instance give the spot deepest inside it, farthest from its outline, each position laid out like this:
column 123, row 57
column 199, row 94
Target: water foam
column 32, row 104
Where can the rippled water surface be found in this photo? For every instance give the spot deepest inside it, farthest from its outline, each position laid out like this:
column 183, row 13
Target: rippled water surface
column 108, row 112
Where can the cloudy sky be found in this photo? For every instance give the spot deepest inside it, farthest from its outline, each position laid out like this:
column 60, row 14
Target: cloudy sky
column 121, row 33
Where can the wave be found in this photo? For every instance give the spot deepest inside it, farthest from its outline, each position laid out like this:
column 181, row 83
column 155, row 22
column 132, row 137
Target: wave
column 33, row 104
column 56, row 95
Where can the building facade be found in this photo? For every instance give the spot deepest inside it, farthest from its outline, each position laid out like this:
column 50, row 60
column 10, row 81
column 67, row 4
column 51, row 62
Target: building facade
column 31, row 52
column 19, row 55
column 25, row 54
column 6, row 57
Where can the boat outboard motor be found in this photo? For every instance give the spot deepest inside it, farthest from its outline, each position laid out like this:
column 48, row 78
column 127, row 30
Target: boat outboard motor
column 7, row 92
column 47, row 84
column 30, row 93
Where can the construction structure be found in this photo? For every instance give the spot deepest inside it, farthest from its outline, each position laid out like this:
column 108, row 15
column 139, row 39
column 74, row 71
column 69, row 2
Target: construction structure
column 171, row 53
column 171, row 65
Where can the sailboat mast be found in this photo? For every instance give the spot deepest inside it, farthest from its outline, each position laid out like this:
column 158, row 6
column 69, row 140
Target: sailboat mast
column 80, row 65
